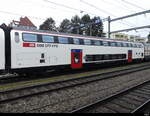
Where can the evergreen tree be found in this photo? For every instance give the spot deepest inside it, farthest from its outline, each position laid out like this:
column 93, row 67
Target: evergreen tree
column 86, row 21
column 65, row 26
column 75, row 25
column 97, row 27
column 49, row 25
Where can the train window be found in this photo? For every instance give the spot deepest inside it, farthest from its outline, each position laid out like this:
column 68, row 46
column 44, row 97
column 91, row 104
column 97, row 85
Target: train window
column 101, row 57
column 134, row 45
column 96, row 42
column 63, row 40
column 17, row 37
column 129, row 45
column 48, row 39
column 81, row 42
column 113, row 44
column 125, row 45
column 76, row 41
column 119, row 44
column 87, row 42
column 29, row 37
column 140, row 46
column 101, row 43
column 105, row 43
column 70, row 40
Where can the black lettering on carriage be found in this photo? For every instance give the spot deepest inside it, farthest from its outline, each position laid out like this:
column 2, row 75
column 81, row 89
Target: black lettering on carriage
column 51, row 46
column 55, row 46
column 40, row 45
column 47, row 46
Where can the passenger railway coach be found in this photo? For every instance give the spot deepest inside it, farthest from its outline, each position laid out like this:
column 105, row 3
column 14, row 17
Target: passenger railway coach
column 25, row 50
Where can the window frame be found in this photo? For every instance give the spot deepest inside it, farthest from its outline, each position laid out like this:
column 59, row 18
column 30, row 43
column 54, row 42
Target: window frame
column 29, row 34
column 47, row 36
column 63, row 37
column 113, row 44
column 86, row 43
column 105, row 42
column 76, row 43
column 95, row 41
column 119, row 44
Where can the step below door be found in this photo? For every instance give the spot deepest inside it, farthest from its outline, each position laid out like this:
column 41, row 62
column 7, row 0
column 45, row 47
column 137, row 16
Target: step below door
column 76, row 58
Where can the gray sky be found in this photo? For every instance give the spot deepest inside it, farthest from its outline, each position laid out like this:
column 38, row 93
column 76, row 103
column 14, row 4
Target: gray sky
column 39, row 10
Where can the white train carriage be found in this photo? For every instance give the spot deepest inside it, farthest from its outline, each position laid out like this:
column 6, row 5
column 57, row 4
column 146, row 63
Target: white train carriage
column 2, row 50
column 35, row 49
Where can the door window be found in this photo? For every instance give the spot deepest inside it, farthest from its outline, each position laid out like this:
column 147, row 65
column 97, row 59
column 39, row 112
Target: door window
column 77, row 58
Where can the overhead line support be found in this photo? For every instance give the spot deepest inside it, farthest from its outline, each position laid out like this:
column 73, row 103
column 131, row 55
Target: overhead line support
column 124, row 17
column 148, row 26
column 132, row 15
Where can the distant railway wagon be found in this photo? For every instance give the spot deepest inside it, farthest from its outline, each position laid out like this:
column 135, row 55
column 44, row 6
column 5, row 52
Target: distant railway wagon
column 25, row 51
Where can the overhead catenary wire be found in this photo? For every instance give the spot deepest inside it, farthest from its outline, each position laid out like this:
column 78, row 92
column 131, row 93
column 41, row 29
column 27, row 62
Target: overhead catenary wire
column 132, row 4
column 101, row 10
column 49, row 7
column 68, row 7
column 91, row 5
column 114, row 4
column 17, row 14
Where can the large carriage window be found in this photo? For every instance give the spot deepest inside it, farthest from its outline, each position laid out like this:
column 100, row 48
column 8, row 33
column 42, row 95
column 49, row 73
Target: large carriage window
column 63, row 40
column 130, row 45
column 105, row 43
column 101, row 43
column 76, row 41
column 119, row 44
column 96, row 42
column 87, row 42
column 113, row 44
column 134, row 45
column 48, row 39
column 29, row 37
column 140, row 46
column 125, row 45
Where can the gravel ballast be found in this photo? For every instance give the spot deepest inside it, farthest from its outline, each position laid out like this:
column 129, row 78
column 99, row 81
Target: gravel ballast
column 66, row 100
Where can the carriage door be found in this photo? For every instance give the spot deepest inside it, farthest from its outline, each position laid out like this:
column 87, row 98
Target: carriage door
column 130, row 56
column 76, row 58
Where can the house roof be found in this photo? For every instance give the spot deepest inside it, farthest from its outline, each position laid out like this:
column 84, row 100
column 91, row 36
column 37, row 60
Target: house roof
column 26, row 22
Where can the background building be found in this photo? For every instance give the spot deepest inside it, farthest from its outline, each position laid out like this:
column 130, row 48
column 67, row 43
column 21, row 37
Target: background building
column 23, row 23
column 126, row 37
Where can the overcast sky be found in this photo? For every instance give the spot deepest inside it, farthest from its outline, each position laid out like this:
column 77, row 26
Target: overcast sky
column 39, row 10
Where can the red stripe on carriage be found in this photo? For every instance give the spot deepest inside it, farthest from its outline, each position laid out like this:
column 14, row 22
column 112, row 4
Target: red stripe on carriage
column 28, row 44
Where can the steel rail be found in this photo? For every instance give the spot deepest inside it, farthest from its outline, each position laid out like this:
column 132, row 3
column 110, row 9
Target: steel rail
column 110, row 98
column 65, row 84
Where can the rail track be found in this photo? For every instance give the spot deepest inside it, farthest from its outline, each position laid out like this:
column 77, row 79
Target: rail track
column 132, row 100
column 22, row 93
column 13, row 78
